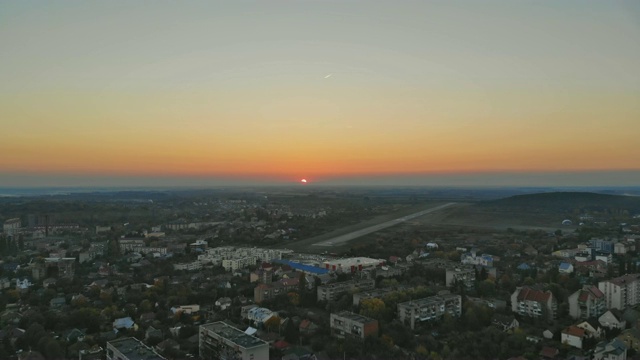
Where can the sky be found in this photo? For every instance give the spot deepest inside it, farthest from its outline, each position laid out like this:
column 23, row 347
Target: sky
column 360, row 92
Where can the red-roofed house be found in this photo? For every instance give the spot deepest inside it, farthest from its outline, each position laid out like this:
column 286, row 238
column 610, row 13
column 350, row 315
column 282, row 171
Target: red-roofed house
column 586, row 303
column 549, row 352
column 533, row 303
column 573, row 336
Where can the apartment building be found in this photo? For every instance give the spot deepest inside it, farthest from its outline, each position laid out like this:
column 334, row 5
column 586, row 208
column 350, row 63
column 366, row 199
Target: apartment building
column 239, row 263
column 622, row 291
column 348, row 324
column 264, row 292
column 130, row 349
column 220, row 340
column 429, row 309
column 465, row 275
column 12, row 226
column 330, row 292
column 130, row 245
column 533, row 303
column 586, row 303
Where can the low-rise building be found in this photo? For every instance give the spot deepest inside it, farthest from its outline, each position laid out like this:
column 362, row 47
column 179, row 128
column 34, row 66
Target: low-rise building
column 612, row 319
column 612, row 350
column 345, row 323
column 573, row 336
column 130, row 349
column 429, row 309
column 472, row 258
column 565, row 268
column 220, row 340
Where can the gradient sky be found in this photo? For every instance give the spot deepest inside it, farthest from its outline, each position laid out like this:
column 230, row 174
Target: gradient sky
column 327, row 90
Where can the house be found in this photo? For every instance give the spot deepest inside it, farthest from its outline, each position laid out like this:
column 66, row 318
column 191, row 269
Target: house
column 223, row 303
column 48, row 282
column 573, row 336
column 23, row 284
column 613, row 350
column 524, row 267
column 592, row 328
column 167, row 344
column 612, row 319
column 565, row 268
column 152, row 333
column 57, row 302
column 74, row 335
column 505, row 323
column 307, row 327
column 547, row 334
column 147, row 317
column 124, row 323
column 259, row 315
column 631, row 338
column 549, row 352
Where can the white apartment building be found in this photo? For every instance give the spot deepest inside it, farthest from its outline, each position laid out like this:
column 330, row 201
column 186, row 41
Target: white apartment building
column 220, row 340
column 192, row 266
column 429, row 309
column 622, row 291
column 233, row 258
column 533, row 303
column 236, row 264
column 587, row 302
column 130, row 349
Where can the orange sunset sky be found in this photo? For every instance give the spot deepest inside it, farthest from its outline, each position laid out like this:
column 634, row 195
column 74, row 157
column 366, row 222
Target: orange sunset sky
column 322, row 90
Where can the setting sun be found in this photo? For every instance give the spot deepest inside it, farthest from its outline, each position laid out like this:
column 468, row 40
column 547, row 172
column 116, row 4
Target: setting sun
column 304, row 181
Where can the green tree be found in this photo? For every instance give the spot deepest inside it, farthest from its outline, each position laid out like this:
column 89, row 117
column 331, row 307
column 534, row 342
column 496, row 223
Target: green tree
column 372, row 308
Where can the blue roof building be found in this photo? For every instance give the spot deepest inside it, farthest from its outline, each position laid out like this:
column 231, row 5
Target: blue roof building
column 565, row 268
column 524, row 266
column 309, row 269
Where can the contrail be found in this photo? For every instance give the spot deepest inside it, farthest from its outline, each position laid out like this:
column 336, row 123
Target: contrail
column 328, row 76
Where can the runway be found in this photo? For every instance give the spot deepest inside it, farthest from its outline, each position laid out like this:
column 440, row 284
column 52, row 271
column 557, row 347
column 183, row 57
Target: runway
column 339, row 240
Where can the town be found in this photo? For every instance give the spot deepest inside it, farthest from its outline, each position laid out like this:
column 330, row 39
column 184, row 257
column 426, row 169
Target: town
column 217, row 275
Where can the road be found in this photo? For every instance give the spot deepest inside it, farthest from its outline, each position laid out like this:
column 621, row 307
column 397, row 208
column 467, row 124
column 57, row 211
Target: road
column 339, row 240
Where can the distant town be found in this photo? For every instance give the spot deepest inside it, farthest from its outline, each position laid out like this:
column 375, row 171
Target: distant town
column 257, row 275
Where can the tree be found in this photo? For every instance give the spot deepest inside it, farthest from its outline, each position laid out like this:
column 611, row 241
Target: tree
column 372, row 308
column 273, row 323
column 291, row 332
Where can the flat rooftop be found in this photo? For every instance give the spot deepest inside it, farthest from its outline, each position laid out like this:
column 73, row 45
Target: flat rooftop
column 428, row 301
column 134, row 349
column 234, row 335
column 355, row 317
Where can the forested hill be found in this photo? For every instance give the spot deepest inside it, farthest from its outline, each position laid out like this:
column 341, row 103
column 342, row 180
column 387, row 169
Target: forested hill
column 561, row 202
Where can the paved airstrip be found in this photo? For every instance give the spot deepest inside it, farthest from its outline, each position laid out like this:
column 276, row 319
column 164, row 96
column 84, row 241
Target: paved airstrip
column 339, row 240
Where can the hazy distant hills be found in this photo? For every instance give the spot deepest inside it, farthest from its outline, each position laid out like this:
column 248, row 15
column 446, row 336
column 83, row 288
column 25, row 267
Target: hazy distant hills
column 566, row 201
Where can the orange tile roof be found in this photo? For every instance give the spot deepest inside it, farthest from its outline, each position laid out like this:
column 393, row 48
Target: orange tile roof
column 574, row 331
